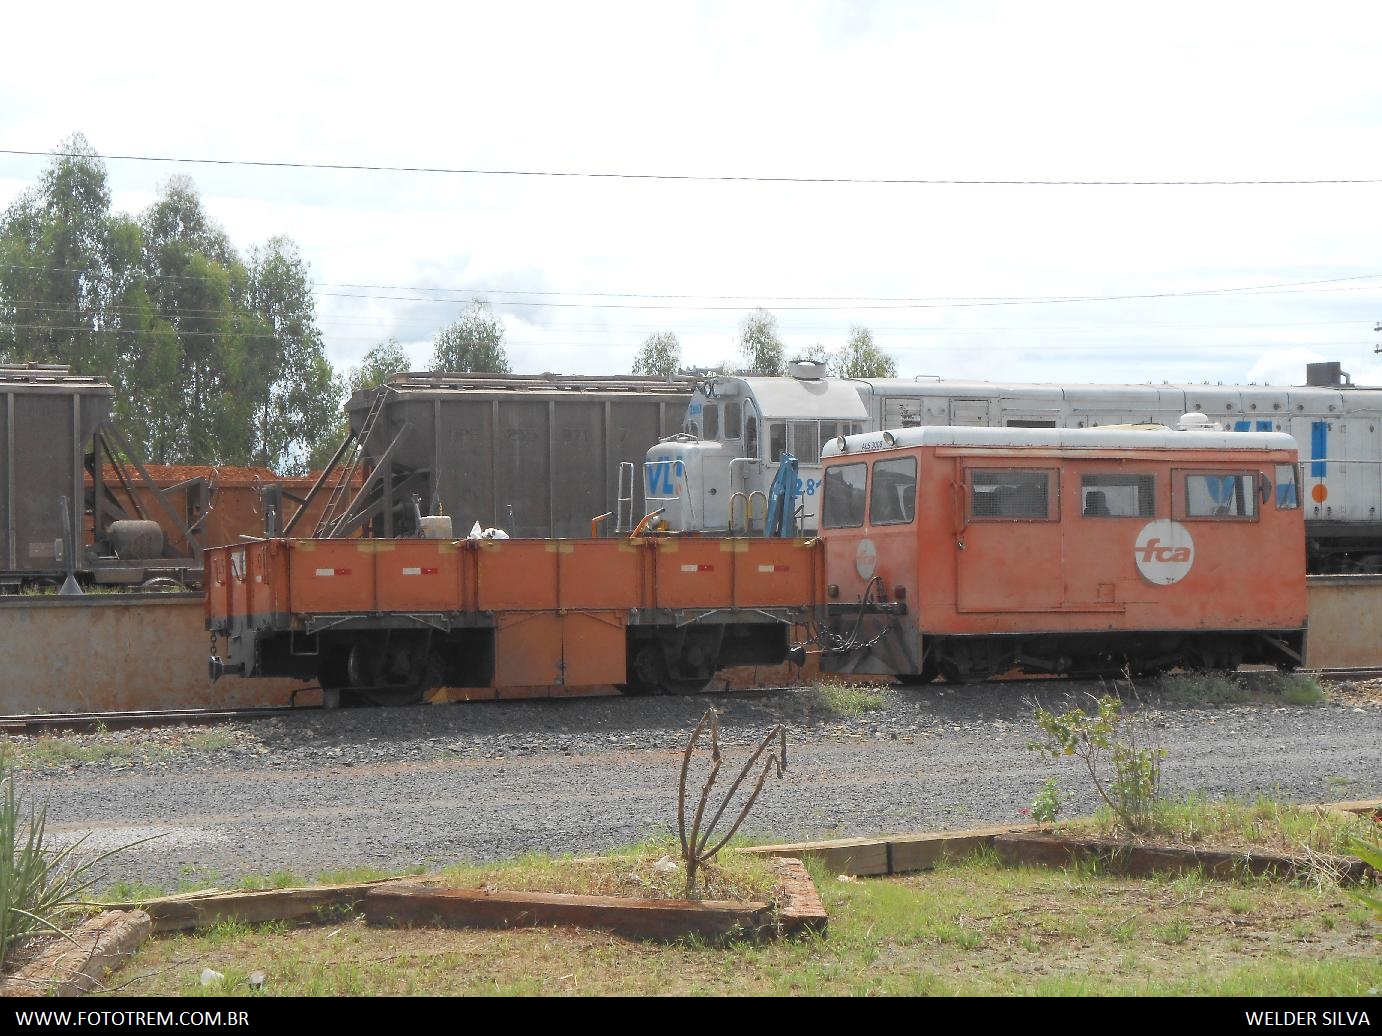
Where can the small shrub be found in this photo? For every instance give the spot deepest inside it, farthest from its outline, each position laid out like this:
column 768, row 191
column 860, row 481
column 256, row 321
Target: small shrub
column 843, row 699
column 1047, row 804
column 1126, row 775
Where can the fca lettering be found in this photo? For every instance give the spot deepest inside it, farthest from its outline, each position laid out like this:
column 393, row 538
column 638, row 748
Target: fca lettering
column 1153, row 551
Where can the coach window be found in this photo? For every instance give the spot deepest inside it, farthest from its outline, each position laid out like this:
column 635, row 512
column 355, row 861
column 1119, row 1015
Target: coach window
column 711, row 416
column 804, row 441
column 1023, row 493
column 1287, row 497
column 1118, row 496
column 893, row 498
column 1217, row 494
column 844, row 496
column 734, row 419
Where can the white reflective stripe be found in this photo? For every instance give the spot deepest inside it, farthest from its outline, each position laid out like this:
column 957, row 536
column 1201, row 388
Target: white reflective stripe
column 412, row 571
column 688, row 568
column 326, row 571
column 769, row 568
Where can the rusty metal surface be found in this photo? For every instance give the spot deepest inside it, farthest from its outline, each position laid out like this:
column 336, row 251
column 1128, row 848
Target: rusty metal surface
column 116, row 652
column 535, row 455
column 1345, row 622
column 47, row 420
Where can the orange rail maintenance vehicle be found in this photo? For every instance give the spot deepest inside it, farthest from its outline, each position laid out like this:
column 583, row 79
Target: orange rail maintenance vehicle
column 385, row 620
column 967, row 552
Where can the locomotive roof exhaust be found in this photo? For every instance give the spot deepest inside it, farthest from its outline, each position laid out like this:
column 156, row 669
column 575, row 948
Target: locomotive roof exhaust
column 1329, row 374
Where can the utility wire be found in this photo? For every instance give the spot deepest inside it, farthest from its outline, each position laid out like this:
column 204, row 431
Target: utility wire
column 692, row 177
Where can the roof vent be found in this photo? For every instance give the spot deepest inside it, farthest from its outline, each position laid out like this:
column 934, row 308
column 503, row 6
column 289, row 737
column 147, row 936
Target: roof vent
column 1331, row 373
column 807, row 370
column 1198, row 423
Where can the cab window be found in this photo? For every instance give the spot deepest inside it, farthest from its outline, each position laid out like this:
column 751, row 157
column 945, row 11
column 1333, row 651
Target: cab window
column 1287, row 496
column 893, row 497
column 804, row 441
column 1218, row 494
column 844, row 496
column 711, row 416
column 1021, row 494
column 734, row 418
column 1117, row 496
column 777, row 440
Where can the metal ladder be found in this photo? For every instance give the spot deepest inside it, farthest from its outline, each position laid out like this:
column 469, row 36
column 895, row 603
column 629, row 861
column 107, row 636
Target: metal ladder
column 330, row 516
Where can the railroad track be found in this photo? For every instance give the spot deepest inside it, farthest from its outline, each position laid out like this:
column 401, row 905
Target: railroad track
column 85, row 722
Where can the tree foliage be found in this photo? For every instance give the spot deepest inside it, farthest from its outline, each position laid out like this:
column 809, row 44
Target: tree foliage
column 216, row 358
column 659, row 355
column 474, row 343
column 861, row 358
column 762, row 350
column 378, row 365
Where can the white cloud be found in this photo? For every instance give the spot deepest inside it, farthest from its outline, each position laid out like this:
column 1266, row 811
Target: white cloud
column 912, row 90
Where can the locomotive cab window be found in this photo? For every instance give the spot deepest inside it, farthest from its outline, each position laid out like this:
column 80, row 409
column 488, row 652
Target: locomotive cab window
column 1287, row 496
column 1021, row 494
column 734, row 419
column 1117, row 496
column 844, row 496
column 893, row 496
column 1225, row 495
column 711, row 416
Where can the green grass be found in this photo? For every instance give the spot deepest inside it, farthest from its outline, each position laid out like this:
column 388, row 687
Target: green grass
column 629, row 872
column 1263, row 823
column 843, row 700
column 972, row 928
column 1218, row 688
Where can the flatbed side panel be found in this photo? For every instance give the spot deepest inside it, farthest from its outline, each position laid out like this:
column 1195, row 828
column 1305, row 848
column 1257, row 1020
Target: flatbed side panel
column 517, row 575
column 694, row 573
column 602, row 575
column 772, row 573
column 423, row 576
column 334, row 576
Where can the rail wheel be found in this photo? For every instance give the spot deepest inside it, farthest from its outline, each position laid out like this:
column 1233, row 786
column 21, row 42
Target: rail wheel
column 647, row 670
column 967, row 663
column 928, row 674
column 393, row 675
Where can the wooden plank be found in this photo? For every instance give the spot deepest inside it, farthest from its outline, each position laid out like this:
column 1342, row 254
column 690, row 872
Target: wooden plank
column 658, row 919
column 1132, row 860
column 858, row 856
column 799, row 907
column 203, row 909
column 79, row 963
column 922, row 852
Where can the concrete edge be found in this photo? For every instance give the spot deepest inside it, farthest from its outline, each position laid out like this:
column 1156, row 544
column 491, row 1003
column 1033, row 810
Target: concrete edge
column 79, row 964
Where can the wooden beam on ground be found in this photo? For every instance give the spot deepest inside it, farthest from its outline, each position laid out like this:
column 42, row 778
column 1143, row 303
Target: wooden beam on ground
column 204, row 909
column 80, row 962
column 1035, row 848
column 656, row 919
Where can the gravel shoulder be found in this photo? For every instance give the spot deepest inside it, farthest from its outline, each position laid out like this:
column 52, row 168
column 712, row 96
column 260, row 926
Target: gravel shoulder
column 318, row 791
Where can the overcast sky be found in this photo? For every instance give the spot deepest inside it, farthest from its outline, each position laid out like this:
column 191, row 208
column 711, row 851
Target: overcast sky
column 581, row 269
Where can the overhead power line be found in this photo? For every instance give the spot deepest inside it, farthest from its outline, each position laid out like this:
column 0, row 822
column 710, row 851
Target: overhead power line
column 695, row 177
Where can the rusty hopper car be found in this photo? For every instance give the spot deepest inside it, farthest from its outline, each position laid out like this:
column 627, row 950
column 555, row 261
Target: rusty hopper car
column 965, row 552
column 385, row 620
column 535, row 455
column 54, row 427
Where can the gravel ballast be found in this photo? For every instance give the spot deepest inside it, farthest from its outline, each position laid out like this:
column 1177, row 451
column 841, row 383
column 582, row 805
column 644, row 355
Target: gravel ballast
column 319, row 791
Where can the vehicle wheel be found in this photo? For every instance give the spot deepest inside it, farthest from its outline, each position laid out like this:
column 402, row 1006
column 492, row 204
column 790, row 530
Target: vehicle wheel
column 928, row 674
column 646, row 671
